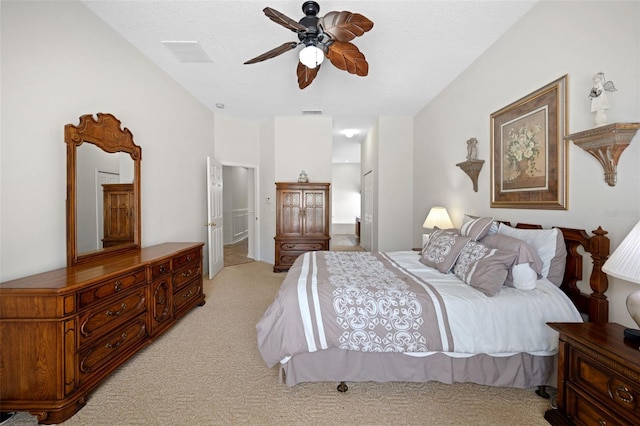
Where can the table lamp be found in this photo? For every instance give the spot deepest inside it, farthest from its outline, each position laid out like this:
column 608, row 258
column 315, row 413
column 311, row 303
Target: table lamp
column 624, row 263
column 437, row 217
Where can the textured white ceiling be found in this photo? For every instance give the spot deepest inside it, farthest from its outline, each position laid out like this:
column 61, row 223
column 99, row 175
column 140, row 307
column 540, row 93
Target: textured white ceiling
column 415, row 49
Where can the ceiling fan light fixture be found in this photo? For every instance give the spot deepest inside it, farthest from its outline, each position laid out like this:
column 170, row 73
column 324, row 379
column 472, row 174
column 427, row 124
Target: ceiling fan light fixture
column 311, row 56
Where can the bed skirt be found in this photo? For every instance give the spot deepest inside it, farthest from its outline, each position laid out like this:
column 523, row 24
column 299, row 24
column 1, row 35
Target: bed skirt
column 334, row 365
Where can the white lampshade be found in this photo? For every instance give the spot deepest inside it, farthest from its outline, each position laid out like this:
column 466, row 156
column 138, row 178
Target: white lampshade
column 311, row 56
column 439, row 217
column 624, row 263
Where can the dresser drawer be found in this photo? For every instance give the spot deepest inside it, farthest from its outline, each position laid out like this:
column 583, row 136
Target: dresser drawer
column 188, row 257
column 186, row 274
column 102, row 318
column 286, row 247
column 160, row 269
column 108, row 288
column 582, row 410
column 114, row 345
column 189, row 293
column 604, row 382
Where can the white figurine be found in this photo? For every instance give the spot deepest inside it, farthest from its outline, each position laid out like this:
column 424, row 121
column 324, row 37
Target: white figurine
column 472, row 149
column 599, row 100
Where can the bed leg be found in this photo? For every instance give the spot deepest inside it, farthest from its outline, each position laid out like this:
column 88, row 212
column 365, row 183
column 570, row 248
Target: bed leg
column 342, row 387
column 542, row 392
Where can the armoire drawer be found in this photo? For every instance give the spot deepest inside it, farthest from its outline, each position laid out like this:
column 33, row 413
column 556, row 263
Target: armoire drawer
column 115, row 344
column 108, row 288
column 100, row 319
column 301, row 247
column 604, row 383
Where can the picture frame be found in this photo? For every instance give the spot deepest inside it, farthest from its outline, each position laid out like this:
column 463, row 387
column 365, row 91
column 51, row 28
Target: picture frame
column 528, row 150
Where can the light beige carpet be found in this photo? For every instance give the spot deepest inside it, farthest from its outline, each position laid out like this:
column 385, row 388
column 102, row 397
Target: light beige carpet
column 207, row 370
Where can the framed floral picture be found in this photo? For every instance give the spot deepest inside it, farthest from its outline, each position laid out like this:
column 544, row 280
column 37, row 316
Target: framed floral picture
column 528, row 150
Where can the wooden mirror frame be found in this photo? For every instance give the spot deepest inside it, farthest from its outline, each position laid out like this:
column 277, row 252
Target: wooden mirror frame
column 106, row 133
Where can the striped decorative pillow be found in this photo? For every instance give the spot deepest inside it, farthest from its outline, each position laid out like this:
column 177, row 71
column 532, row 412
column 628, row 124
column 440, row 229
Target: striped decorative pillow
column 475, row 227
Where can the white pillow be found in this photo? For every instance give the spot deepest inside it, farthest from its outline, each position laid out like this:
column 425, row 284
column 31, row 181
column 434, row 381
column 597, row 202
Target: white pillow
column 550, row 246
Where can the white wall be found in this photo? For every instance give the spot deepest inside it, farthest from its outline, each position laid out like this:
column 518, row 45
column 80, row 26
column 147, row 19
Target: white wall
column 235, row 203
column 59, row 61
column 303, row 143
column 604, row 36
column 395, row 183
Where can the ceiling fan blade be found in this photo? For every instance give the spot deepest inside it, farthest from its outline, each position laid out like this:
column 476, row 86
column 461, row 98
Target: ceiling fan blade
column 306, row 75
column 281, row 19
column 345, row 26
column 285, row 47
column 347, row 57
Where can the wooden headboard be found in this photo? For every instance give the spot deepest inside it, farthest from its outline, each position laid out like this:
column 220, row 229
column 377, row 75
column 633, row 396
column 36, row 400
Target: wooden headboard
column 594, row 305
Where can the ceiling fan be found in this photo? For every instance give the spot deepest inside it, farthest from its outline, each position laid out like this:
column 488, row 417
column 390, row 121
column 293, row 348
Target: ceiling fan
column 328, row 36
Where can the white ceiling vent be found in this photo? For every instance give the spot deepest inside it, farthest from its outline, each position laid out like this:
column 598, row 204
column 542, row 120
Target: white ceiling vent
column 187, row 51
column 311, row 112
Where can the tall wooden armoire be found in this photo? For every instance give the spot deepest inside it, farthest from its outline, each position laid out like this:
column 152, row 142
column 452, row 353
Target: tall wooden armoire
column 118, row 214
column 302, row 221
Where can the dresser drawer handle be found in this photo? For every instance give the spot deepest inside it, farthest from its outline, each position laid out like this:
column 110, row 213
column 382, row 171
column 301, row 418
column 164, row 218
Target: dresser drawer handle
column 116, row 313
column 624, row 394
column 186, row 274
column 117, row 286
column 290, row 246
column 188, row 295
column 602, row 422
column 189, row 258
column 118, row 343
column 162, row 269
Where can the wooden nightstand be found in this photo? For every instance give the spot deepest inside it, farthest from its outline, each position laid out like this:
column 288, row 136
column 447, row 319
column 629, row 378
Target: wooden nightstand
column 598, row 376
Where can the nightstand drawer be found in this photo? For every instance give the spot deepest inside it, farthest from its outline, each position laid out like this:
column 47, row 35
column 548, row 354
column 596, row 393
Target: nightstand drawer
column 581, row 410
column 603, row 381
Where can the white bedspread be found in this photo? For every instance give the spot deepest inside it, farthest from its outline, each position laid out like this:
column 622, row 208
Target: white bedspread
column 512, row 321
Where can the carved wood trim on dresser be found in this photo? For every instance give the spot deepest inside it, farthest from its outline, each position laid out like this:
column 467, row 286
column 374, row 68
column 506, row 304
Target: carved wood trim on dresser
column 598, row 376
column 64, row 331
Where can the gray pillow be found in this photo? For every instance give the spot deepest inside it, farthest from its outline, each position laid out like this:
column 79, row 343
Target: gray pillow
column 443, row 249
column 484, row 268
column 475, row 227
column 550, row 246
column 527, row 265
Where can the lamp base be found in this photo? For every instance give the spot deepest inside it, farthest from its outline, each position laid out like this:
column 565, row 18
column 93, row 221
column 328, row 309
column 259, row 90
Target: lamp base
column 632, row 335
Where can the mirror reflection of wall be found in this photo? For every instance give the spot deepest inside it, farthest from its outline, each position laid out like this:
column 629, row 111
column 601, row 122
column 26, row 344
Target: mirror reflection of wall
column 95, row 167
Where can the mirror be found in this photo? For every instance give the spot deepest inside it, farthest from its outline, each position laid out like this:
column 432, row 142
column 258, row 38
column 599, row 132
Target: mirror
column 103, row 189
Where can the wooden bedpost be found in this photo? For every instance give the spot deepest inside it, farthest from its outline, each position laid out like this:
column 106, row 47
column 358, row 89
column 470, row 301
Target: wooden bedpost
column 595, row 305
column 598, row 304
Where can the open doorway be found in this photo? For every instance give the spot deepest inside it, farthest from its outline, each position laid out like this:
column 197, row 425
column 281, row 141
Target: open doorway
column 240, row 233
column 345, row 192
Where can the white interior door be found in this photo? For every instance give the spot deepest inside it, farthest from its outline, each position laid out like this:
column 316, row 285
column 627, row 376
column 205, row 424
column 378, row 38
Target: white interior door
column 215, row 237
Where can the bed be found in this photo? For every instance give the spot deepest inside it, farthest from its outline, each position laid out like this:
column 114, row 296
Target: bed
column 360, row 316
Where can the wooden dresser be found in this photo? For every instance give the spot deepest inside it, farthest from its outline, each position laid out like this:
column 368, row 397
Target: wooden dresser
column 598, row 376
column 302, row 221
column 64, row 331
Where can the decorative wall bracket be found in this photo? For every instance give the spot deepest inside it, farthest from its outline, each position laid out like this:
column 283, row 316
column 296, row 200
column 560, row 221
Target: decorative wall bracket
column 472, row 168
column 606, row 144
